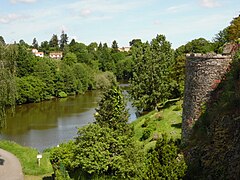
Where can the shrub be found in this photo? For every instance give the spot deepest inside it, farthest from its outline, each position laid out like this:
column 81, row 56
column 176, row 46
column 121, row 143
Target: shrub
column 62, row 94
column 146, row 134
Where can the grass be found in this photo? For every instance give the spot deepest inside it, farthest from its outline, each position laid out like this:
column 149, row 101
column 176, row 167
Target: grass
column 168, row 120
column 28, row 158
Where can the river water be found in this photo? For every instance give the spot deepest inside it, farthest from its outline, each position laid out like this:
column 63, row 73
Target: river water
column 49, row 123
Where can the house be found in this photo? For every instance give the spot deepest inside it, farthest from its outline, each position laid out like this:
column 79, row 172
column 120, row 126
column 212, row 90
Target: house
column 124, row 49
column 56, row 55
column 38, row 54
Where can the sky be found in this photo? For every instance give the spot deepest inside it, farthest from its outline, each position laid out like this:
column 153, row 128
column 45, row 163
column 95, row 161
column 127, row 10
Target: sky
column 122, row 20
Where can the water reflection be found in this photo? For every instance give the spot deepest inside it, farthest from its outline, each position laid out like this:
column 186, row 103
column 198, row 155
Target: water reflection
column 46, row 124
column 42, row 125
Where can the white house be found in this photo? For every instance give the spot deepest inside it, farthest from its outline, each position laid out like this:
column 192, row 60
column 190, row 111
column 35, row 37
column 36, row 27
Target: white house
column 56, row 55
column 38, row 54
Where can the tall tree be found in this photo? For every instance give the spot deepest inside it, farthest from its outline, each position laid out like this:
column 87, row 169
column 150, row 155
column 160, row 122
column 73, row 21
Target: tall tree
column 44, row 47
column 112, row 109
column 152, row 81
column 8, row 56
column 63, row 40
column 115, row 46
column 35, row 43
column 104, row 150
column 53, row 43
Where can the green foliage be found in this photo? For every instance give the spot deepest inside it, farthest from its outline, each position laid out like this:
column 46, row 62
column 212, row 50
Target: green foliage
column 106, row 149
column 165, row 161
column 146, row 134
column 199, row 45
column 63, row 40
column 46, row 70
column 104, row 80
column 112, row 111
column 7, row 80
column 53, row 43
column 234, row 29
column 124, row 68
column 25, row 62
column 30, row 89
column 167, row 120
column 152, row 81
column 62, row 94
column 70, row 59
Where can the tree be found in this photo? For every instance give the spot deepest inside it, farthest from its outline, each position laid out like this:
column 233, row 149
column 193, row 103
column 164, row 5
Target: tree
column 70, row 59
column 53, row 43
column 2, row 41
column 135, row 41
column 23, row 43
column 35, row 43
column 199, row 45
column 105, row 149
column 46, row 70
column 115, row 46
column 152, row 80
column 165, row 161
column 112, row 111
column 72, row 43
column 30, row 89
column 234, row 29
column 220, row 39
column 7, row 80
column 44, row 47
column 25, row 61
column 63, row 40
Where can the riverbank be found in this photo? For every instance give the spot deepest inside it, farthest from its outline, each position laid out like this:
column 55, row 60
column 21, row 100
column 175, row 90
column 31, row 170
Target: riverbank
column 146, row 130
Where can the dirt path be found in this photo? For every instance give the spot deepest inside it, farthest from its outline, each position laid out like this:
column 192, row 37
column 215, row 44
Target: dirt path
column 10, row 167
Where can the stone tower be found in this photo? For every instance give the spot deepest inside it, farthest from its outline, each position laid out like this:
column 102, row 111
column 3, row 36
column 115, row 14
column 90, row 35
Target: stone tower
column 203, row 73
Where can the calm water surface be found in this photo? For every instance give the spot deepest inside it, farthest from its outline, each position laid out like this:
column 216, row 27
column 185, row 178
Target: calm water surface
column 49, row 123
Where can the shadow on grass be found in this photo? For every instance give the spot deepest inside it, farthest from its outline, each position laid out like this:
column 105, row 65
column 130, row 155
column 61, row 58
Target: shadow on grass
column 178, row 125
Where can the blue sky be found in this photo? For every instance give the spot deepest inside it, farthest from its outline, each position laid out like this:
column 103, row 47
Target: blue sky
column 121, row 20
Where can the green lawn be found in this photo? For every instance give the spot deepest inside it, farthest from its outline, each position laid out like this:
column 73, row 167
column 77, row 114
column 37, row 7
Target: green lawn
column 28, row 158
column 168, row 120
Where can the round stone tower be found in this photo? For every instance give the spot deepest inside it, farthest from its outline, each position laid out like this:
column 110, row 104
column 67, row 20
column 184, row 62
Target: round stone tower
column 203, row 73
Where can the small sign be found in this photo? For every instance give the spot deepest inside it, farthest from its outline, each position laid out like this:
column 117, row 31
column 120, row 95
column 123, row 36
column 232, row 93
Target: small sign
column 39, row 156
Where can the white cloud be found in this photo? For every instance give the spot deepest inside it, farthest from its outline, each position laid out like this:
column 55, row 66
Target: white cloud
column 22, row 1
column 157, row 22
column 104, row 8
column 174, row 9
column 86, row 12
column 209, row 3
column 11, row 17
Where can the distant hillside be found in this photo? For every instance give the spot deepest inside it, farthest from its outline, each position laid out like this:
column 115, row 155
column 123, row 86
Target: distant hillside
column 215, row 145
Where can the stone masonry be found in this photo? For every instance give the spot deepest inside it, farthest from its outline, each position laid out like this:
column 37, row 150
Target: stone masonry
column 203, row 73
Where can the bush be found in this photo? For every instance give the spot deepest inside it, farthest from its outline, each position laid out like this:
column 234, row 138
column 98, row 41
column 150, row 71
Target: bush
column 62, row 94
column 145, row 124
column 104, row 80
column 165, row 161
column 146, row 134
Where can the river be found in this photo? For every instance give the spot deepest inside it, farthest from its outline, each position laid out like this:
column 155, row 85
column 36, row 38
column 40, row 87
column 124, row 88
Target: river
column 49, row 123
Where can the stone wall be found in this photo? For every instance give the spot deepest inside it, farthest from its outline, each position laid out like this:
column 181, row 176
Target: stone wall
column 203, row 73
